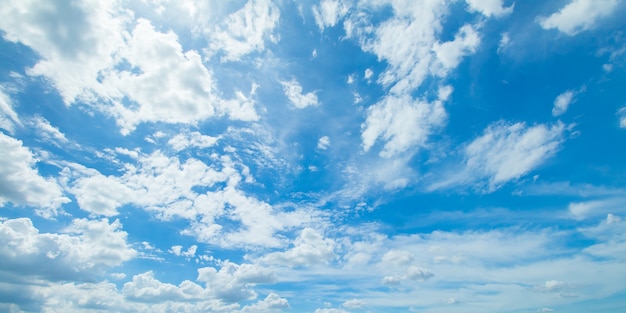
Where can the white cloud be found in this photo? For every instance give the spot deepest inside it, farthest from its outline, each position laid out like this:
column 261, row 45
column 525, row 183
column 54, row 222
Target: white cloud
column 450, row 53
column 232, row 282
column 84, row 249
column 20, row 182
column 329, row 12
column 145, row 288
column 293, row 91
column 578, row 15
column 246, row 30
column 271, row 303
column 368, row 73
column 192, row 139
column 136, row 76
column 594, row 208
column 82, row 42
column 331, row 310
column 399, row 266
column 408, row 40
column 172, row 87
column 402, row 122
column 505, row 152
column 309, row 248
column 48, row 132
column 622, row 117
column 490, row 7
column 323, row 143
column 353, row 304
column 562, row 102
column 8, row 117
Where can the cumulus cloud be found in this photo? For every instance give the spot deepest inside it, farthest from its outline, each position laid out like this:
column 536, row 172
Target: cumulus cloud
column 323, row 143
column 562, row 102
column 85, row 248
column 246, row 30
column 490, row 7
column 309, row 248
column 402, row 122
column 578, row 15
column 137, row 76
column 409, row 42
column 21, row 183
column 505, row 152
column 450, row 53
column 232, row 282
column 192, row 140
column 329, row 12
column 293, row 91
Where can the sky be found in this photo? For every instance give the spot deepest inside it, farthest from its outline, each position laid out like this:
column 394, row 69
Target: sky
column 333, row 156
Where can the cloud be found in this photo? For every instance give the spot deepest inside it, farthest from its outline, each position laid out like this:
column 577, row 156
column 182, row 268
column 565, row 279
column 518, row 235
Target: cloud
column 329, row 12
column 8, row 117
column 85, row 248
column 246, row 30
column 48, row 132
column 309, row 248
column 145, row 288
column 490, row 8
column 331, row 310
column 136, row 76
column 21, row 183
column 450, row 53
column 368, row 73
column 399, row 266
column 232, row 282
column 505, row 152
column 293, row 91
column 271, row 303
column 353, row 304
column 323, row 143
column 191, row 140
column 81, row 43
column 622, row 117
column 578, row 15
column 403, row 122
column 562, row 102
column 409, row 42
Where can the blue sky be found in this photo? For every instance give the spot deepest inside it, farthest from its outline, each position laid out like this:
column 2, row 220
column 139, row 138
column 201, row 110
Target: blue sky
column 313, row 156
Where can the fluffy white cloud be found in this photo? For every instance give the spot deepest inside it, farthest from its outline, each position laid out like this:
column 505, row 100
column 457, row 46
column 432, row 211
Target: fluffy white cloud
column 136, row 76
column 353, row 303
column 450, row 53
column 271, row 303
column 85, row 248
column 246, row 30
column 192, row 139
column 166, row 187
column 309, row 248
column 232, row 282
column 293, row 91
column 329, row 12
column 8, row 117
column 409, row 42
column 74, row 39
column 145, row 288
column 578, row 15
column 323, row 143
column 20, row 182
column 399, row 266
column 562, row 102
column 403, row 122
column 505, row 152
column 490, row 7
